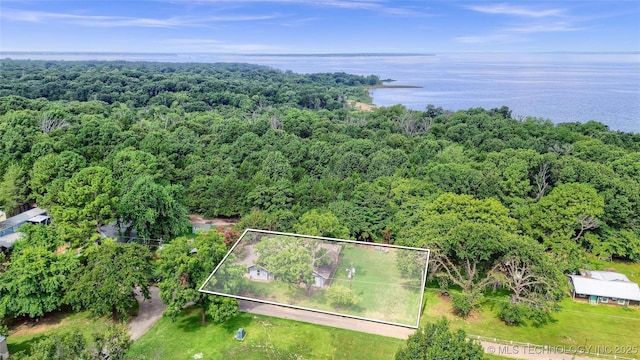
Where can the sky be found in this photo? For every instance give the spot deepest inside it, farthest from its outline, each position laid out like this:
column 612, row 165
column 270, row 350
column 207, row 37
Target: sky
column 319, row 26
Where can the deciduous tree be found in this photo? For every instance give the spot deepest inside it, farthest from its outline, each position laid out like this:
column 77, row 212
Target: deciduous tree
column 184, row 265
column 33, row 284
column 154, row 210
column 88, row 201
column 437, row 341
column 109, row 277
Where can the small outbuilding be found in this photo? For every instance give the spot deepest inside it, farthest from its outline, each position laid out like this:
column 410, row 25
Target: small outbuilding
column 9, row 227
column 604, row 287
column 257, row 272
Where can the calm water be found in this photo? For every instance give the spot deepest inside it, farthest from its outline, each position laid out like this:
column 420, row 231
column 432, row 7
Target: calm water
column 559, row 87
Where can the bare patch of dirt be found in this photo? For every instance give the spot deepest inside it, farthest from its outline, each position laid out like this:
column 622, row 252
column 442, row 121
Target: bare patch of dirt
column 62, row 249
column 362, row 106
column 46, row 323
column 441, row 308
column 473, row 316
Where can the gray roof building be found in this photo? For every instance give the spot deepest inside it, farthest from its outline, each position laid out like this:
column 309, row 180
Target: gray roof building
column 9, row 227
column 7, row 241
column 605, row 284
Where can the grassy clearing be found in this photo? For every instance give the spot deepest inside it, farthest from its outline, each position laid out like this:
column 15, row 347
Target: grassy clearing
column 380, row 286
column 575, row 324
column 632, row 270
column 384, row 294
column 23, row 336
column 267, row 338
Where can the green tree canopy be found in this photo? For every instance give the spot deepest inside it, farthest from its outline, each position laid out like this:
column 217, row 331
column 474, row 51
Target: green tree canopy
column 153, row 210
column 184, row 265
column 33, row 285
column 87, row 201
column 321, row 223
column 109, row 277
column 437, row 341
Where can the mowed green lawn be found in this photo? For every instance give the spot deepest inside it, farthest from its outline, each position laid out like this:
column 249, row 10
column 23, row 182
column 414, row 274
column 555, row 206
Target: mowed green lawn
column 267, row 338
column 384, row 294
column 22, row 336
column 576, row 323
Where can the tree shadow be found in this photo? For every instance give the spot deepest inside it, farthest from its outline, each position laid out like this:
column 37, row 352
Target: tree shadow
column 190, row 321
column 24, row 345
column 232, row 325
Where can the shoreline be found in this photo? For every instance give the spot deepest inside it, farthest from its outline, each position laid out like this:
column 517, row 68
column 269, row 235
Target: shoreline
column 370, row 106
column 383, row 86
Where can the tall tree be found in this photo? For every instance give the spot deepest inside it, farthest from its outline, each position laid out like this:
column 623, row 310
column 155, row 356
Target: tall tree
column 321, row 223
column 154, row 210
column 467, row 237
column 437, row 341
column 561, row 218
column 13, row 189
column 33, row 285
column 291, row 260
column 532, row 277
column 184, row 265
column 109, row 277
column 88, row 201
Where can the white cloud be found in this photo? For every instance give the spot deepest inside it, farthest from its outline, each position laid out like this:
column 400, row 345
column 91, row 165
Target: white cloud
column 549, row 27
column 123, row 21
column 507, row 9
column 381, row 6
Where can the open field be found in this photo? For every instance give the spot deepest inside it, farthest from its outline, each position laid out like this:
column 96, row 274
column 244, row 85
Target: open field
column 22, row 336
column 383, row 293
column 267, row 338
column 578, row 324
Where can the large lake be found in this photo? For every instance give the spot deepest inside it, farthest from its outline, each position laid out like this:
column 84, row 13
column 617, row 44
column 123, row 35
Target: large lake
column 560, row 87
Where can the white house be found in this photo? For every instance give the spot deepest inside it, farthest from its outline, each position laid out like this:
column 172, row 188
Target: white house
column 604, row 287
column 257, row 272
column 322, row 274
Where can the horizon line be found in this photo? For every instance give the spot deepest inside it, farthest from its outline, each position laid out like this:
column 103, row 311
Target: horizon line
column 46, row 52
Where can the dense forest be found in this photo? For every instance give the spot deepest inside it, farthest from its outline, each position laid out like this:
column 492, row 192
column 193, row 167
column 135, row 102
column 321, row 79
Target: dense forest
column 146, row 144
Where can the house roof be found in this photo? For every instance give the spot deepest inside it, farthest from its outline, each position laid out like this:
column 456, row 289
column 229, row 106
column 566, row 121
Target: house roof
column 21, row 218
column 333, row 251
column 115, row 231
column 605, row 275
column 7, row 241
column 38, row 219
column 620, row 289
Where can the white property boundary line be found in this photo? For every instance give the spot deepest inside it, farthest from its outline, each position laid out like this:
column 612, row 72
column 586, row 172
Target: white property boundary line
column 423, row 283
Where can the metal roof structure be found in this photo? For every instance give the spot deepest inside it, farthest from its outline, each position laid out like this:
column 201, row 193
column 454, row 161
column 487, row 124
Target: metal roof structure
column 605, row 275
column 7, row 241
column 20, row 219
column 616, row 288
